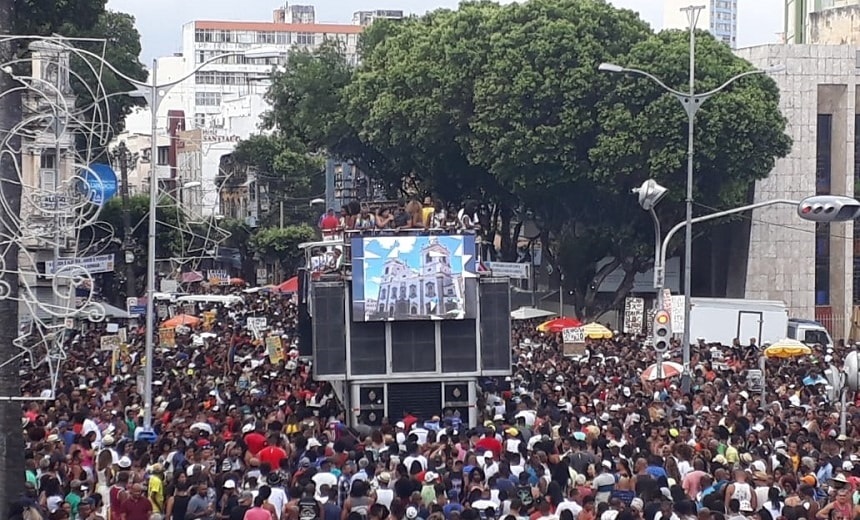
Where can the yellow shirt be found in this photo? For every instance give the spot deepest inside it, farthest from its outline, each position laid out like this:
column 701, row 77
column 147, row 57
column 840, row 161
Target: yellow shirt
column 156, row 493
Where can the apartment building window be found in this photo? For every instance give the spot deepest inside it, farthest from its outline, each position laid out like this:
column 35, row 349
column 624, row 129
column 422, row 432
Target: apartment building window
column 266, row 37
column 48, row 161
column 199, row 120
column 203, row 35
column 248, row 37
column 303, row 38
column 723, row 4
column 283, row 38
column 823, row 171
column 163, row 156
column 207, row 99
column 47, row 180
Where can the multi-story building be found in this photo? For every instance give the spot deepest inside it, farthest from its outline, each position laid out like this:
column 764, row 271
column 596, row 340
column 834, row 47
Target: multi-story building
column 815, row 268
column 295, row 14
column 822, row 21
column 719, row 17
column 48, row 164
column 365, row 18
column 189, row 171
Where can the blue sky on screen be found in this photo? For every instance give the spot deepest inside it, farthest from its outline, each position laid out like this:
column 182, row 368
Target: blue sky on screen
column 408, row 249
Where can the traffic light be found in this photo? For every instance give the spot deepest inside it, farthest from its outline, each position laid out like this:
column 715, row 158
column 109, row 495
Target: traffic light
column 662, row 331
column 828, row 208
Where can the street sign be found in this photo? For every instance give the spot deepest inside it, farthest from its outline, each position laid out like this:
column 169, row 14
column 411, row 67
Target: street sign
column 91, row 264
column 510, row 269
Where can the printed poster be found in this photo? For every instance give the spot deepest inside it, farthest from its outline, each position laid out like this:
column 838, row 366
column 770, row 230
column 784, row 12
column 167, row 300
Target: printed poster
column 166, row 337
column 275, row 350
column 634, row 315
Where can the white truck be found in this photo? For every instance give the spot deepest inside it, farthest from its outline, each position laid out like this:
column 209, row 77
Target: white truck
column 724, row 319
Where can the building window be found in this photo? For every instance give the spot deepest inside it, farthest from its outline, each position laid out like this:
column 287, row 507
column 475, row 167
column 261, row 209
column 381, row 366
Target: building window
column 822, row 187
column 47, row 180
column 856, row 266
column 199, row 120
column 430, row 290
column 203, row 35
column 207, row 99
column 823, row 156
column 163, row 156
column 305, row 38
column 48, row 161
column 266, row 37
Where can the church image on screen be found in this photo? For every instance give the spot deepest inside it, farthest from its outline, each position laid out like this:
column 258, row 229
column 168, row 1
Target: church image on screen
column 418, row 283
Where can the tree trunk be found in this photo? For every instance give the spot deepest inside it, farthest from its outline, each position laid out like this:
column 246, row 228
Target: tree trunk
column 11, row 437
column 589, row 309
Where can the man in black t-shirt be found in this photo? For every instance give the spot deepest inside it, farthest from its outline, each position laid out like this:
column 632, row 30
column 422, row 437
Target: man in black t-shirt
column 309, row 508
column 246, row 500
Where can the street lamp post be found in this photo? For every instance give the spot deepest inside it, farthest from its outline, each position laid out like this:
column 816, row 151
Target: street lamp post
column 650, row 193
column 691, row 101
column 154, row 94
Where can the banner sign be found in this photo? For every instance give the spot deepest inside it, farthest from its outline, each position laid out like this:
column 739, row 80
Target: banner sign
column 634, row 315
column 92, row 264
column 510, row 269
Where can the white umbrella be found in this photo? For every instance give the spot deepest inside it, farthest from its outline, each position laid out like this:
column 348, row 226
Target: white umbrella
column 202, row 426
column 530, row 313
column 667, row 370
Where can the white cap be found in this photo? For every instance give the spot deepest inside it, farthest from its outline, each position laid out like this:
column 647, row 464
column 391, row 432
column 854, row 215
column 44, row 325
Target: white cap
column 124, row 463
column 248, row 428
column 229, row 484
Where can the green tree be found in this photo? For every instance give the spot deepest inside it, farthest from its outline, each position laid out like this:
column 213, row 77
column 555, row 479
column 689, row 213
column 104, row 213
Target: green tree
column 309, row 104
column 107, row 234
column 293, row 175
column 281, row 246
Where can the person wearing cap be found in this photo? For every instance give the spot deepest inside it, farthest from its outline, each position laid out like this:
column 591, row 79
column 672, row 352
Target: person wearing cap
column 604, row 482
column 229, row 499
column 155, row 487
column 244, row 503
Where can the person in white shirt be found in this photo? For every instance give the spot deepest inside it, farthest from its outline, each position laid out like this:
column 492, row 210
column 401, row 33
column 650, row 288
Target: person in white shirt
column 415, row 455
column 324, row 476
column 384, row 495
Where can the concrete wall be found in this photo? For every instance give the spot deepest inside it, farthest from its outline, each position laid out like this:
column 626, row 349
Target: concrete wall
column 836, row 26
column 781, row 264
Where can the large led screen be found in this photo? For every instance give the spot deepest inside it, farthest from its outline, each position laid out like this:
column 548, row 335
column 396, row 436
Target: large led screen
column 413, row 278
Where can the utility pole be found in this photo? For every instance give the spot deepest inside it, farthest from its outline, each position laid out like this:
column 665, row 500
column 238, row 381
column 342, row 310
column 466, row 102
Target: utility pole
column 130, row 282
column 11, row 435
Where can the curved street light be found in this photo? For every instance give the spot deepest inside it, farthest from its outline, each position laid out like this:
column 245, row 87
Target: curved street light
column 691, row 101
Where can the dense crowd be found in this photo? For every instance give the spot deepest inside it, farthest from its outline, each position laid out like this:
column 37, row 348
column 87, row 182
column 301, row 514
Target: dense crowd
column 428, row 213
column 246, row 436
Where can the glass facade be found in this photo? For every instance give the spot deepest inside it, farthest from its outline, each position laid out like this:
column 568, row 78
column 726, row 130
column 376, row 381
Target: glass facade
column 823, row 170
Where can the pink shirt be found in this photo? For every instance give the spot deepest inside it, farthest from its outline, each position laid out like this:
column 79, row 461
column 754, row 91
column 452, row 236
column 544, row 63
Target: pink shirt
column 257, row 513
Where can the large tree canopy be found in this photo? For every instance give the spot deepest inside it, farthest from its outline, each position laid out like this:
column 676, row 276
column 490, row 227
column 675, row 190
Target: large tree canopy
column 505, row 104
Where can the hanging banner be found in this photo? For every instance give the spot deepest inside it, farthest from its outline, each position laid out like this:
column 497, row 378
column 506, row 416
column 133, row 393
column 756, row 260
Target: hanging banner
column 273, row 347
column 573, row 335
column 634, row 315
column 677, row 313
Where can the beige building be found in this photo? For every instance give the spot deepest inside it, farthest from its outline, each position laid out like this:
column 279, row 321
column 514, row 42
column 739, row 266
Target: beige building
column 812, row 267
column 822, row 21
column 189, row 169
column 48, row 162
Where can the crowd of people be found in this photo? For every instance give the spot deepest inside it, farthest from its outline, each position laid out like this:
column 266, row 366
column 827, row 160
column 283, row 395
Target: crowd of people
column 244, row 435
column 412, row 214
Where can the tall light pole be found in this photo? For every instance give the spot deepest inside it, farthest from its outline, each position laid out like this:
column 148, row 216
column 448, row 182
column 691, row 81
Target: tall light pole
column 691, row 101
column 154, row 94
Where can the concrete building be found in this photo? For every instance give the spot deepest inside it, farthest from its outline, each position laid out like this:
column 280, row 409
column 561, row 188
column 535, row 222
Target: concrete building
column 365, row 18
column 719, row 17
column 295, row 14
column 48, row 164
column 189, row 173
column 822, row 21
column 814, row 268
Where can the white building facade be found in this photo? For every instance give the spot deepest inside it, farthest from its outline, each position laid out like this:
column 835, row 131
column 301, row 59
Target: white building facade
column 719, row 17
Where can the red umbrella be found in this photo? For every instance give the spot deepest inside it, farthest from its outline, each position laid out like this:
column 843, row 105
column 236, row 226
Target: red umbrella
column 559, row 324
column 290, row 286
